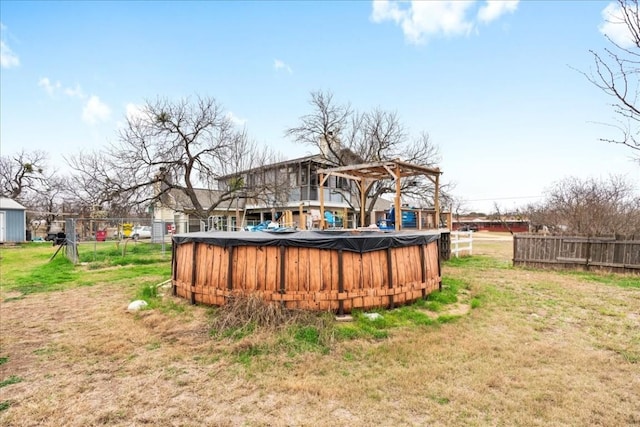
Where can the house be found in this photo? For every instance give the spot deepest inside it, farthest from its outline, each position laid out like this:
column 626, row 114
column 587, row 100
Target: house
column 13, row 221
column 288, row 192
column 290, row 186
column 309, row 192
column 174, row 207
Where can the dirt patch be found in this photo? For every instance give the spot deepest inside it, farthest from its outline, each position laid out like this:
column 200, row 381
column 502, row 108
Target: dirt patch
column 11, row 295
column 457, row 309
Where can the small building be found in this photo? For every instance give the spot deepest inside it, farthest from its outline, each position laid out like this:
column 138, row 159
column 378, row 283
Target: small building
column 13, row 221
column 507, row 225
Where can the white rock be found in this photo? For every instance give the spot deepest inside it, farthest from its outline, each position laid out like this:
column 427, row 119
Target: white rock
column 372, row 316
column 137, row 305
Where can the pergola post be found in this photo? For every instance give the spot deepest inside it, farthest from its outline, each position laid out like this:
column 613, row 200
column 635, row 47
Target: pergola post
column 398, row 208
column 302, row 220
column 436, row 202
column 363, row 202
column 321, row 195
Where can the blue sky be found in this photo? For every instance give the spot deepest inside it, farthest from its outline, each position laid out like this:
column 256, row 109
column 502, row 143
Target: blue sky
column 495, row 85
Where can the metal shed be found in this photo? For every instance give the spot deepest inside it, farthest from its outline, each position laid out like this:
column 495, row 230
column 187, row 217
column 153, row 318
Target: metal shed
column 13, row 221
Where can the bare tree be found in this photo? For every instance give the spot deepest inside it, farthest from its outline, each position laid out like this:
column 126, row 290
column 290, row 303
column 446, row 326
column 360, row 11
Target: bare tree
column 344, row 136
column 23, row 172
column 457, row 206
column 617, row 73
column 503, row 216
column 47, row 204
column 25, row 177
column 590, row 207
column 170, row 147
column 94, row 182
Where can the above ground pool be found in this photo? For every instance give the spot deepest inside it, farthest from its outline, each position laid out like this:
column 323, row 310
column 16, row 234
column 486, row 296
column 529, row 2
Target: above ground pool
column 334, row 271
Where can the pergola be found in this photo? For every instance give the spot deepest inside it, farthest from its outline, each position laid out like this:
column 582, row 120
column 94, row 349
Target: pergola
column 366, row 174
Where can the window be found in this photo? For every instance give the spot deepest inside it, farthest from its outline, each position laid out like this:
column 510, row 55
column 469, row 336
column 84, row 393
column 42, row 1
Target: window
column 342, row 183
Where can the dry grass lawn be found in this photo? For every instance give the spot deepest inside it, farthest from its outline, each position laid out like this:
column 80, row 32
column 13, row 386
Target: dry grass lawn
column 542, row 348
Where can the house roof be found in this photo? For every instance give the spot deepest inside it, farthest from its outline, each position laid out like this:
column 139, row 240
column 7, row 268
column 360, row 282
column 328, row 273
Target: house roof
column 6, row 203
column 314, row 157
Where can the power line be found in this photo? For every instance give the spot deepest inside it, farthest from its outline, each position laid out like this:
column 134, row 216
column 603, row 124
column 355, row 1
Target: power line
column 504, row 198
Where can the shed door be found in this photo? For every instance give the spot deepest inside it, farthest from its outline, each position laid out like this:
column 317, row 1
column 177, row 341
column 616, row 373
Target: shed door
column 2, row 226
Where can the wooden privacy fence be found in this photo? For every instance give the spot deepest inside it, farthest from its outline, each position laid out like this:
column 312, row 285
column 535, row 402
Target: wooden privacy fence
column 620, row 254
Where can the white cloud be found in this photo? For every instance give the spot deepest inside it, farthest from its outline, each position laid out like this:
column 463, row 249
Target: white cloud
column 95, row 111
column 281, row 65
column 75, row 92
column 53, row 88
column 134, row 112
column 8, row 59
column 235, row 119
column 494, row 9
column 48, row 86
column 422, row 20
column 614, row 26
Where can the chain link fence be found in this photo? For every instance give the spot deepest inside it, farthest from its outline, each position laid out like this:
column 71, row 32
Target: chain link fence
column 90, row 235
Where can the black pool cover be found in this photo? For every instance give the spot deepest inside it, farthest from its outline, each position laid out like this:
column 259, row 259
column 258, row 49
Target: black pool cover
column 348, row 240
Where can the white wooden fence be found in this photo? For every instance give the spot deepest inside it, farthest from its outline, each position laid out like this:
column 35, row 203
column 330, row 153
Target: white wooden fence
column 461, row 243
